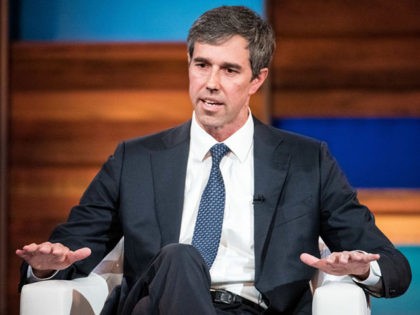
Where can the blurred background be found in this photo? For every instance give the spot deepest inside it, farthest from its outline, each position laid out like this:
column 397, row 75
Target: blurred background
column 79, row 76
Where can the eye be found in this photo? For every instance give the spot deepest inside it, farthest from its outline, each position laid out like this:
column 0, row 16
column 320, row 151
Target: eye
column 231, row 71
column 201, row 65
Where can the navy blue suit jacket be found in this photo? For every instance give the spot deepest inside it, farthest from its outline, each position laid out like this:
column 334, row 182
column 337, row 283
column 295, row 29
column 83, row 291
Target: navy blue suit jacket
column 139, row 193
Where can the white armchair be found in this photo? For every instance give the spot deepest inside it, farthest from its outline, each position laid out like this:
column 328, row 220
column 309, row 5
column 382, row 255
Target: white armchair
column 337, row 294
column 332, row 295
column 75, row 297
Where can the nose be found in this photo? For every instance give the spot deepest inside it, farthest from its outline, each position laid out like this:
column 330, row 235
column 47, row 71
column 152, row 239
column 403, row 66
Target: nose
column 213, row 81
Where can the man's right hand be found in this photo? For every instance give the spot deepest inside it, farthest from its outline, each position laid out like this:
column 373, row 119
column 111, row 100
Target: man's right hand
column 45, row 258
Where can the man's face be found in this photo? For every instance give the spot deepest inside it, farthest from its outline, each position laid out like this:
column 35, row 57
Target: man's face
column 221, row 86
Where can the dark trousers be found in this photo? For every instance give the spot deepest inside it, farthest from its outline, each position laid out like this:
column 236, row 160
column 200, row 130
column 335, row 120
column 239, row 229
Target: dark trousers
column 177, row 283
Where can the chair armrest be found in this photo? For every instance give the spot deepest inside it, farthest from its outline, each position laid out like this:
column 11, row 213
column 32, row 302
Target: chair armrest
column 340, row 295
column 64, row 297
column 337, row 294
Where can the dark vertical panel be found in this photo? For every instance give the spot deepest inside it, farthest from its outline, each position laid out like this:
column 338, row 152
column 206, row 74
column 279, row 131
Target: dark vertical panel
column 3, row 151
column 14, row 20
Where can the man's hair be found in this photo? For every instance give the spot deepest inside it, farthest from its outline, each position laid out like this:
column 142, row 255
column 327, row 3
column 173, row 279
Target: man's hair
column 222, row 23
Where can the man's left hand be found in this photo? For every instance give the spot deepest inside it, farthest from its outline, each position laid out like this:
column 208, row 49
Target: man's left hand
column 353, row 263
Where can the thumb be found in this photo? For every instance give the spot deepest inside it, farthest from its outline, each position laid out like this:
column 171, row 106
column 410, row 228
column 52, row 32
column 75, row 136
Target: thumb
column 79, row 254
column 309, row 259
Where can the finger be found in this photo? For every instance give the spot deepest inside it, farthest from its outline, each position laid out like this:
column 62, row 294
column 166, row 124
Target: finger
column 374, row 257
column 321, row 264
column 22, row 254
column 30, row 248
column 344, row 257
column 359, row 257
column 28, row 251
column 45, row 248
column 59, row 249
column 333, row 258
column 363, row 257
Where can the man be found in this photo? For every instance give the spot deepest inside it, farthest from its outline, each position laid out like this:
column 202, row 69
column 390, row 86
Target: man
column 270, row 195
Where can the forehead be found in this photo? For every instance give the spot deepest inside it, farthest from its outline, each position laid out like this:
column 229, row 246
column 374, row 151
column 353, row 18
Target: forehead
column 233, row 49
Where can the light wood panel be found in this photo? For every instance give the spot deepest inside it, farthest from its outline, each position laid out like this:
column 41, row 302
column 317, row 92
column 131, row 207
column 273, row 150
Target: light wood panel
column 82, row 127
column 401, row 201
column 401, row 230
column 61, row 66
column 99, row 105
column 397, row 212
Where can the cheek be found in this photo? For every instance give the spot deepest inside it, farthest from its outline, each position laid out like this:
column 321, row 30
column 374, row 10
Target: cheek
column 239, row 90
column 195, row 81
column 192, row 85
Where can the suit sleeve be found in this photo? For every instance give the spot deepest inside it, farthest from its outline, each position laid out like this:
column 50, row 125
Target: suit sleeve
column 348, row 225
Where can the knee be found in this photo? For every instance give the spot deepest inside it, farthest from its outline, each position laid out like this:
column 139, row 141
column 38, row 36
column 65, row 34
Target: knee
column 180, row 252
column 181, row 259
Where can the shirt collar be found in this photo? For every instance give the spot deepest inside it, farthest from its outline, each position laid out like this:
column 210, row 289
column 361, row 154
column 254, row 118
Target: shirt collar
column 240, row 143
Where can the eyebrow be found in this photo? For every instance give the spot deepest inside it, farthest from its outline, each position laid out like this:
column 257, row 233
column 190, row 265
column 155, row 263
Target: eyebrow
column 225, row 65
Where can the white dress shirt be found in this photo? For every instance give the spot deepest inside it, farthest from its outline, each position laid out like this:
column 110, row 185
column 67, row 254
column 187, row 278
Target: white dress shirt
column 234, row 266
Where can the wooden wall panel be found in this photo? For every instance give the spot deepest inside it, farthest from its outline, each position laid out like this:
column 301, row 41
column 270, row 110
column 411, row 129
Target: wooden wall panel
column 99, row 66
column 346, row 58
column 296, row 103
column 344, row 18
column 83, row 127
column 350, row 62
column 397, row 212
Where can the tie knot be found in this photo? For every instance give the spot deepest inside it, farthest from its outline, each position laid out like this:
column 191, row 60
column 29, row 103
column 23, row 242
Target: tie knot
column 218, row 151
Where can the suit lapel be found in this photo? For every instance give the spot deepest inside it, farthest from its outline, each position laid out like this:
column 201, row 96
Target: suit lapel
column 270, row 171
column 169, row 167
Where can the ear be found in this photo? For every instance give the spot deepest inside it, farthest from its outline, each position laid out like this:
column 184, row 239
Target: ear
column 258, row 81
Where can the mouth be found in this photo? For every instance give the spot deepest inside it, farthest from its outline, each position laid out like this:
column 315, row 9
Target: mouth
column 210, row 102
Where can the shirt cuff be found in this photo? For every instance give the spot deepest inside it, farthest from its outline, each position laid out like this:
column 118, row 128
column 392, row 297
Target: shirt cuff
column 32, row 278
column 374, row 277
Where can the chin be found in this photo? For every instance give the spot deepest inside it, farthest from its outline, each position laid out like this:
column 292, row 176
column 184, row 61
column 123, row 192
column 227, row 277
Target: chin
column 209, row 123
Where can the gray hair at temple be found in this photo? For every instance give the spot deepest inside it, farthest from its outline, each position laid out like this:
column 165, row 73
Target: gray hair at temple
column 222, row 23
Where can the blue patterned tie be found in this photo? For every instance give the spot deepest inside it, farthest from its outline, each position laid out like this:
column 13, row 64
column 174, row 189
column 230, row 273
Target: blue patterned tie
column 208, row 227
